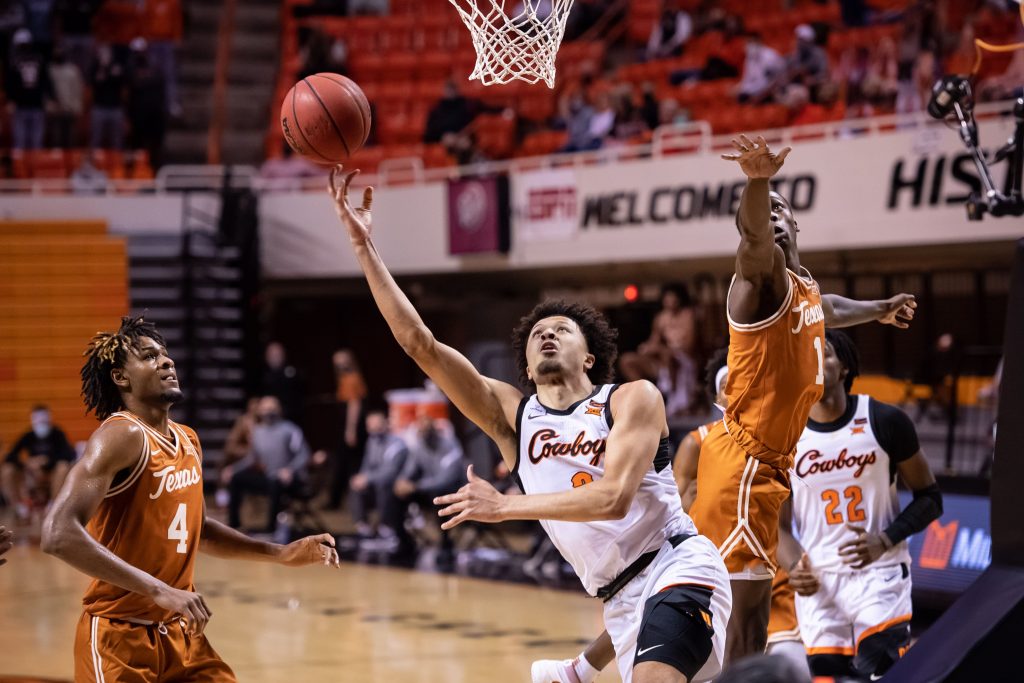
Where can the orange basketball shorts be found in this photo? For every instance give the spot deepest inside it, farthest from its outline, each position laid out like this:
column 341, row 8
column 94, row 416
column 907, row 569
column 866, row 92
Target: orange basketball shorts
column 782, row 624
column 109, row 650
column 737, row 505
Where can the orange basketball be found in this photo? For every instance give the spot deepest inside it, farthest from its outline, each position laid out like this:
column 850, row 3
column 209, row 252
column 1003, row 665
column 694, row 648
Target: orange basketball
column 325, row 118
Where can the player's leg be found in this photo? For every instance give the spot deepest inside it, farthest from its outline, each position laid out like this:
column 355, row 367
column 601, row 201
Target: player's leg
column 748, row 625
column 826, row 630
column 584, row 668
column 881, row 597
column 783, row 629
column 115, row 651
column 191, row 659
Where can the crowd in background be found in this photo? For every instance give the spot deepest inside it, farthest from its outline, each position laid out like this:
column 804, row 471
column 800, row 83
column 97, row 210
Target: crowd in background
column 98, row 74
column 601, row 108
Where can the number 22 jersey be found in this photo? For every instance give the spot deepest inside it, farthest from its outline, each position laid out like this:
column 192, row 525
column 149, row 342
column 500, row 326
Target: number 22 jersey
column 845, row 473
column 151, row 518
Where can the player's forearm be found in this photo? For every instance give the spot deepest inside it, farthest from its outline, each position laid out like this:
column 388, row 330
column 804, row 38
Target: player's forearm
column 844, row 312
column 405, row 322
column 69, row 541
column 589, row 503
column 790, row 550
column 754, row 216
column 221, row 540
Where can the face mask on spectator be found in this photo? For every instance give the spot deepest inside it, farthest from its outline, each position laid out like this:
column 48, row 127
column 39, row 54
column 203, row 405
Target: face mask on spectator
column 41, row 426
column 269, row 418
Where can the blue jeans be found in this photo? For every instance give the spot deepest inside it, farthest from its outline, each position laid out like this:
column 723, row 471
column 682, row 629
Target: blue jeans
column 107, row 124
column 27, row 128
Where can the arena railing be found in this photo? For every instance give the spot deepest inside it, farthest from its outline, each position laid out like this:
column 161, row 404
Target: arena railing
column 694, row 137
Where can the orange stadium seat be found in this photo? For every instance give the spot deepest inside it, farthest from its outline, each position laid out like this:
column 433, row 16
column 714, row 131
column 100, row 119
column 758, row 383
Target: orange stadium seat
column 495, row 134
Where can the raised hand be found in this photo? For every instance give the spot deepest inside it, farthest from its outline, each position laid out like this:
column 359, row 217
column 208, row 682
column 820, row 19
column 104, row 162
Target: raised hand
column 477, row 500
column 357, row 220
column 899, row 311
column 188, row 605
column 310, row 550
column 755, row 159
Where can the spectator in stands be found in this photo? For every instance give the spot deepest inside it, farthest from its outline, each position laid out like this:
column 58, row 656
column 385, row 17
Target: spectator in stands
column 808, row 63
column 762, row 69
column 630, row 122
column 162, row 27
column 320, row 52
column 452, row 113
column 109, row 81
column 147, row 102
column 854, row 13
column 383, row 460
column 804, row 112
column 463, row 148
column 434, row 467
column 39, row 22
column 576, row 115
column 584, row 16
column 12, row 18
column 350, row 392
column 68, row 100
column 670, row 33
column 87, row 178
column 237, row 445
column 275, row 465
column 1007, row 84
column 74, row 23
column 376, row 7
column 669, row 112
column 669, row 358
column 282, row 381
column 28, row 88
column 37, row 463
column 915, row 83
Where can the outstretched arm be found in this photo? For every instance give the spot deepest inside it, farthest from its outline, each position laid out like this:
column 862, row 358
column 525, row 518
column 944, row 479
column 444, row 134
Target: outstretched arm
column 221, row 540
column 639, row 414
column 490, row 404
column 897, row 311
column 114, row 447
column 684, row 470
column 761, row 281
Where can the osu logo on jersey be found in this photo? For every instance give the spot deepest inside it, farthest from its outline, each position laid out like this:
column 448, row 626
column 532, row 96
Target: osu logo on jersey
column 580, row 446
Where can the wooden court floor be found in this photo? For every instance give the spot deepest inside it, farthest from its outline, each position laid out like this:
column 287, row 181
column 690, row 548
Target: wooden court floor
column 357, row 623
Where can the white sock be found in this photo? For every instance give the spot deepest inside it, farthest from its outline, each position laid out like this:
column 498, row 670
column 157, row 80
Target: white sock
column 586, row 672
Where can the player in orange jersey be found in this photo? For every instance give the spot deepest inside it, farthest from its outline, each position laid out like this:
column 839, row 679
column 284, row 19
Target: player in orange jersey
column 131, row 514
column 777, row 318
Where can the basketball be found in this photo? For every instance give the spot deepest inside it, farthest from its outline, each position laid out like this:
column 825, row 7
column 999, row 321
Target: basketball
column 325, row 118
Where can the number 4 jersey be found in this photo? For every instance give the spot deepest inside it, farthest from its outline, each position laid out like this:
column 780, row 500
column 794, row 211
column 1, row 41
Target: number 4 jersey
column 845, row 472
column 151, row 518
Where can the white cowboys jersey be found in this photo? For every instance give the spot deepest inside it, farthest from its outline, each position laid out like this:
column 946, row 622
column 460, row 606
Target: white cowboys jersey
column 844, row 473
column 563, row 449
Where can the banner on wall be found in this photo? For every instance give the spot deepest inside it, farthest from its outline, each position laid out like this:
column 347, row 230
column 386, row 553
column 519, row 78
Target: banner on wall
column 478, row 215
column 545, row 205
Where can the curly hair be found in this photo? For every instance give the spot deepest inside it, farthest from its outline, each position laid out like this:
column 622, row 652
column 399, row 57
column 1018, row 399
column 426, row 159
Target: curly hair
column 600, row 337
column 717, row 361
column 846, row 352
column 109, row 350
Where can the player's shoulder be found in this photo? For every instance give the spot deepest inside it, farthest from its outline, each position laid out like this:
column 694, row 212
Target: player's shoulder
column 639, row 394
column 116, row 443
column 882, row 413
column 189, row 433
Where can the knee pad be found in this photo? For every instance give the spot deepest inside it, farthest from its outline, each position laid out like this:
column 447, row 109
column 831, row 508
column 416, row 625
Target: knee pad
column 677, row 629
column 879, row 651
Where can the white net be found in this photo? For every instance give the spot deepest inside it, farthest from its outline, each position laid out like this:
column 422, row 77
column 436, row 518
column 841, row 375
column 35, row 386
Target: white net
column 518, row 44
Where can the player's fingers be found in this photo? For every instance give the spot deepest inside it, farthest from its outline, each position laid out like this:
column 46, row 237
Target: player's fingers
column 331, row 185
column 455, row 521
column 331, row 559
column 761, row 142
column 900, row 325
column 784, row 153
column 325, row 538
column 449, row 498
column 731, row 157
column 452, row 509
column 856, row 529
column 738, row 144
column 745, row 141
column 367, row 199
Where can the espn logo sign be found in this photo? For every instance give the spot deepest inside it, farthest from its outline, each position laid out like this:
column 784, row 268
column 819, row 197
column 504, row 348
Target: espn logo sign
column 551, row 202
column 938, row 544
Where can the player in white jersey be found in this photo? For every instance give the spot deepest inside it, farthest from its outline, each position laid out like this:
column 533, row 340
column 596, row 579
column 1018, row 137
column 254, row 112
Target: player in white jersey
column 593, row 461
column 852, row 573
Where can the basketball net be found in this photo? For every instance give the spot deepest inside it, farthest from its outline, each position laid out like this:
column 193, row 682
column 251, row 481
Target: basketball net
column 517, row 45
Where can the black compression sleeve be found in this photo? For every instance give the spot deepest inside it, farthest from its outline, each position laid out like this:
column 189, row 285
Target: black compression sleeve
column 894, row 430
column 922, row 511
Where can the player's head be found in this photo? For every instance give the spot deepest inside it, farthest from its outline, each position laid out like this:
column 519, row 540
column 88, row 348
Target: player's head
column 784, row 225
column 40, row 420
column 716, row 372
column 558, row 340
column 128, row 365
column 377, row 419
column 841, row 362
column 675, row 295
column 268, row 410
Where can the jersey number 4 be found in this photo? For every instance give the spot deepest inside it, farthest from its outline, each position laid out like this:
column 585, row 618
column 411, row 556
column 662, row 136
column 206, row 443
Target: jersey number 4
column 854, row 497
column 178, row 530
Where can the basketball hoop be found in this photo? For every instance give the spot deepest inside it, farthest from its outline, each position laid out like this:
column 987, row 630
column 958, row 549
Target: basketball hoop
column 518, row 45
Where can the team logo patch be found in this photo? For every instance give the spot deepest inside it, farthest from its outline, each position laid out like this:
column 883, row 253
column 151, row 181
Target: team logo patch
column 595, row 408
column 859, row 425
